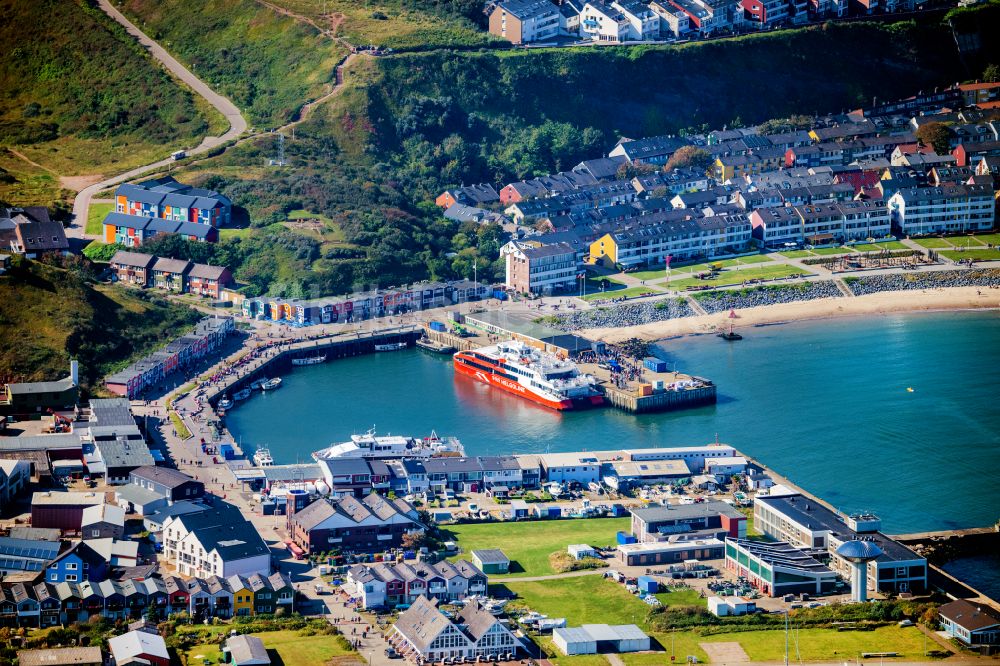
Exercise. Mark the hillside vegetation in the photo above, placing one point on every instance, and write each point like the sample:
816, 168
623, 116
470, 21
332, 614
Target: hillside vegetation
267, 63
411, 25
50, 314
81, 96
498, 115
371, 158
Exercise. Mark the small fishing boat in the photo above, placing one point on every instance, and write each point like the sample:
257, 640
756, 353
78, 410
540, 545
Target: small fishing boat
311, 360
435, 347
225, 403
271, 384
262, 458
242, 395
256, 384
391, 346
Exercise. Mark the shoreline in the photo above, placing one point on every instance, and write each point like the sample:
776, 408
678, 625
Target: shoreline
943, 299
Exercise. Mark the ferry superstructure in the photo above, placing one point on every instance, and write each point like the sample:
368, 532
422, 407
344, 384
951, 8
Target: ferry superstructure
371, 445
535, 375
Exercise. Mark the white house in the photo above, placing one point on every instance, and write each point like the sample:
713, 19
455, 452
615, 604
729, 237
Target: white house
602, 22
14, 478
218, 542
578, 551
723, 468
424, 632
932, 210
723, 606
643, 23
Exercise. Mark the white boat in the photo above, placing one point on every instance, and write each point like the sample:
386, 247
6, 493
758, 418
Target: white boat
391, 346
311, 360
369, 445
262, 458
225, 403
271, 384
242, 395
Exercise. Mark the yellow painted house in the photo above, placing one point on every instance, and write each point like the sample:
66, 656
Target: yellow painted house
604, 250
242, 595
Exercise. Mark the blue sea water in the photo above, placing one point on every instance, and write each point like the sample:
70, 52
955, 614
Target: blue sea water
823, 403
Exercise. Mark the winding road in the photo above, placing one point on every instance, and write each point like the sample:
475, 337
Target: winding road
237, 123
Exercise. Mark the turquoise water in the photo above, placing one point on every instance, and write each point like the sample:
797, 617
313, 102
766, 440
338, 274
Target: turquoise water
824, 403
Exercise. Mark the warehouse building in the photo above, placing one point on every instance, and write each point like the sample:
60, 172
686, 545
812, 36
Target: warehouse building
668, 552
713, 518
600, 638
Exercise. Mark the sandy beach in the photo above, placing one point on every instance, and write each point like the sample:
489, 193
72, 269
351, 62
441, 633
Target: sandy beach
885, 303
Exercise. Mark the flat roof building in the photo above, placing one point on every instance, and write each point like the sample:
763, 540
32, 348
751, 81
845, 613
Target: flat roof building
668, 552
805, 523
74, 656
595, 638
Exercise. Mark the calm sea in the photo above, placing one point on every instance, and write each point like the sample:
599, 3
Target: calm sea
824, 403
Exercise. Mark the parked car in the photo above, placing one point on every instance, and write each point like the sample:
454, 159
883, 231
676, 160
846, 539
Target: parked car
392, 654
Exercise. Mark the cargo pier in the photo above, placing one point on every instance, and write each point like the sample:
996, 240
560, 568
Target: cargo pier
654, 389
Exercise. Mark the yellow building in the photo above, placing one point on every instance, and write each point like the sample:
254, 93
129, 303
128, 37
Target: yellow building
604, 250
242, 595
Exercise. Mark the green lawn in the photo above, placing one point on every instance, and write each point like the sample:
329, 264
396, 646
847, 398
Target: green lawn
680, 597
878, 247
681, 643
733, 276
933, 243
982, 254
529, 544
700, 267
967, 241
227, 233
582, 600
293, 648
991, 239
821, 251
95, 216
797, 254
807, 644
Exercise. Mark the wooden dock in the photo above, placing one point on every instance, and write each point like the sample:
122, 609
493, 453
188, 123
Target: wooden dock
631, 401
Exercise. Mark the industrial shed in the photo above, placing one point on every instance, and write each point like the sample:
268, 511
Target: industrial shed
491, 561
595, 638
574, 640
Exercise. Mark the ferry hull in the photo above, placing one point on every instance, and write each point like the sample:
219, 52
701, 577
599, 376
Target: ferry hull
513, 387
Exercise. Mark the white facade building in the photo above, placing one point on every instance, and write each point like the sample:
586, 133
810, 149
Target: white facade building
951, 209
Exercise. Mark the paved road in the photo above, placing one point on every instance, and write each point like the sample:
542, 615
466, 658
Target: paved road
237, 123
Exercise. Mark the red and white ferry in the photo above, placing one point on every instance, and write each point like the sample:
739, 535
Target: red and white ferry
532, 374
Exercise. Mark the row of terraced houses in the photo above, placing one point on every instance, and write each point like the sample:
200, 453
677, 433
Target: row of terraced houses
165, 206
364, 305
45, 604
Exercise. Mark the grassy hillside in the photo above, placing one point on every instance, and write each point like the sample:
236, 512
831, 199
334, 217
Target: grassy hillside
268, 64
50, 314
80, 96
411, 25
